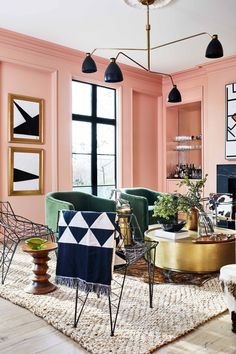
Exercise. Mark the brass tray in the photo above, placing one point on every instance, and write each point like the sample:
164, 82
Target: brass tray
215, 238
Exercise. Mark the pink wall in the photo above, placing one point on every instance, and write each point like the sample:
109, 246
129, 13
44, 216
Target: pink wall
145, 144
41, 69
37, 68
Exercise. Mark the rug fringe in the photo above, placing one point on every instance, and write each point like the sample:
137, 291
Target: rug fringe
99, 289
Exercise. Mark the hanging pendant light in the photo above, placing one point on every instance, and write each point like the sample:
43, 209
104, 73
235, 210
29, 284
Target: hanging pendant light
214, 49
174, 95
113, 72
89, 66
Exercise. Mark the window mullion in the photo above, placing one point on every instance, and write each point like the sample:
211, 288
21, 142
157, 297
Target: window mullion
94, 140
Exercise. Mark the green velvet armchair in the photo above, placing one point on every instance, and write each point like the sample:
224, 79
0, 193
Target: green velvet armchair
141, 201
55, 201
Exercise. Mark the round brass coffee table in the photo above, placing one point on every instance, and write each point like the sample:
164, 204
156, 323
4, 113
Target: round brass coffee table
183, 255
40, 283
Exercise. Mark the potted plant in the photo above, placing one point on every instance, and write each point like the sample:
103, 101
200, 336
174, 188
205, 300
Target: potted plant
166, 210
190, 202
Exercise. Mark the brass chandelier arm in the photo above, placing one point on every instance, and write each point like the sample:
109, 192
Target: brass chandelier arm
181, 39
133, 49
134, 61
143, 67
155, 47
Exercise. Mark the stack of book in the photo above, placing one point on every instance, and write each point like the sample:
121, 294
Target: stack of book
172, 235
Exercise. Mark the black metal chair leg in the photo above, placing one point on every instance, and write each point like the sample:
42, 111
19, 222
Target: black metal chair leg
9, 249
76, 319
151, 272
113, 324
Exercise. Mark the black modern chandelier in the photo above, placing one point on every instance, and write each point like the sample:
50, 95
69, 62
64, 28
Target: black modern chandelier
113, 72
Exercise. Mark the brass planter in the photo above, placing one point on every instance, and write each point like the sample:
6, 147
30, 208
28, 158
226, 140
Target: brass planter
192, 220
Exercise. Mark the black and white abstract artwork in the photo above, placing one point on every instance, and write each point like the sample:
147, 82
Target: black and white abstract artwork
230, 141
25, 119
25, 171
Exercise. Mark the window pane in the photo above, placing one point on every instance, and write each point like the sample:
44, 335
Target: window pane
81, 137
105, 139
81, 98
105, 192
106, 169
105, 102
81, 170
83, 189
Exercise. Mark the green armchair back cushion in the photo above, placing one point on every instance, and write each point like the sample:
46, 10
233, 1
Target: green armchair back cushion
142, 202
55, 201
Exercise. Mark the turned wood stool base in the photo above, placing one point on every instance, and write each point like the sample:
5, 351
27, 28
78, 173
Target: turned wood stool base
40, 282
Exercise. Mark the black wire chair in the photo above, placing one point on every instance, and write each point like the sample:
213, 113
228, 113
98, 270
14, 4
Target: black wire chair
131, 255
13, 229
126, 255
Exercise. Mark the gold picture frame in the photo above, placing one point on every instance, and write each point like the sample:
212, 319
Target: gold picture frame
25, 171
26, 115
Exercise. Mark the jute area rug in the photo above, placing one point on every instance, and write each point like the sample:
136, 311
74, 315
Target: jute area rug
177, 310
139, 269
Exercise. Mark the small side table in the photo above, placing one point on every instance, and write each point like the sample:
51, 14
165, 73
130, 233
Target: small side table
40, 283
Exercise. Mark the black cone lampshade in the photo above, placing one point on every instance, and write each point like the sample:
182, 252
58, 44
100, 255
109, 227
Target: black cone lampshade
113, 72
214, 49
89, 65
174, 95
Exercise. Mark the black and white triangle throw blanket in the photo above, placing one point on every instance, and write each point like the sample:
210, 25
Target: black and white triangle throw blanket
86, 241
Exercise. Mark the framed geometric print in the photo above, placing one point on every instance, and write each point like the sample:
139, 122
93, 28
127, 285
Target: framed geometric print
25, 119
230, 140
25, 171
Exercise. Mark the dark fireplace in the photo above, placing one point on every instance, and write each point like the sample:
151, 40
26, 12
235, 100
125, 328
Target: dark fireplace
226, 183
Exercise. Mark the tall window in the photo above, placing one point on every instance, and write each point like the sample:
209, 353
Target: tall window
93, 138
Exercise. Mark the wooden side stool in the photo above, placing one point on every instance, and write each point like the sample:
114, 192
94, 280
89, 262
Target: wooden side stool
228, 283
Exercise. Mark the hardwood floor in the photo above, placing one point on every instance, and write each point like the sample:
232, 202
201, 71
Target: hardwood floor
21, 332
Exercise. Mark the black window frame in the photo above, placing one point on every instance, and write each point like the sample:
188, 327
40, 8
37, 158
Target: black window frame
95, 120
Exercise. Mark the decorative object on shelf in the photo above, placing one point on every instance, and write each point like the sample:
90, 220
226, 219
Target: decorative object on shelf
113, 72
25, 119
230, 143
36, 243
25, 171
181, 138
188, 147
190, 171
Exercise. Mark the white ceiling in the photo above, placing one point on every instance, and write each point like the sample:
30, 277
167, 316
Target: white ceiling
88, 24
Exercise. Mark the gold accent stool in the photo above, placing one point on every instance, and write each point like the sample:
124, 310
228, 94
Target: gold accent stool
183, 255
